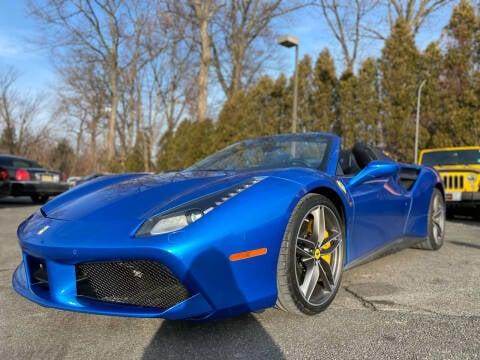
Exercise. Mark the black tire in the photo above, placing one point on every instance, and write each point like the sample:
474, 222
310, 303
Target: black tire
310, 263
39, 199
436, 223
476, 213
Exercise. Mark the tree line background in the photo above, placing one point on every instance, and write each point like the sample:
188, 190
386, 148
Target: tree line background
148, 85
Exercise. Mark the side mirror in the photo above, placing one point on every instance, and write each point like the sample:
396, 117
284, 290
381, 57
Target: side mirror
375, 170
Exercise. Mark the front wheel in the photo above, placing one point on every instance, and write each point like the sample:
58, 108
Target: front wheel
312, 254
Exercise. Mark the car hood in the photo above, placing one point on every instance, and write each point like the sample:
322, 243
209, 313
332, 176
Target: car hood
137, 197
458, 168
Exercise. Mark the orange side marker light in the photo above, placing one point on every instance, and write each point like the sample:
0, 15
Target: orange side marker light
247, 254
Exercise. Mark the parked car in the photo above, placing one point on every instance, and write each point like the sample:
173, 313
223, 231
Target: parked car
89, 177
4, 183
459, 168
78, 180
28, 178
266, 222
72, 180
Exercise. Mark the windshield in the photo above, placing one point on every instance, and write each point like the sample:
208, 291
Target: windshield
452, 157
272, 152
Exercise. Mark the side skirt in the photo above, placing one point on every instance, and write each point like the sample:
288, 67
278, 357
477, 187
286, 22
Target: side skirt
388, 249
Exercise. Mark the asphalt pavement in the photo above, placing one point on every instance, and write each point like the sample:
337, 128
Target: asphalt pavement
414, 304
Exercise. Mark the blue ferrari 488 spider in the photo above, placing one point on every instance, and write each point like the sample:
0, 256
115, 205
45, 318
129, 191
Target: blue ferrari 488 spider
268, 222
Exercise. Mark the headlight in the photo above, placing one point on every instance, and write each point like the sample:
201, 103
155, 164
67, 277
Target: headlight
471, 178
183, 215
169, 224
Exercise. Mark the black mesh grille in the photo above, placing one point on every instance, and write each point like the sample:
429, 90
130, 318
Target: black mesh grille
140, 283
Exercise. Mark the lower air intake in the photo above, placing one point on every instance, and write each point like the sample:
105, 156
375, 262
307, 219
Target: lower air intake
140, 283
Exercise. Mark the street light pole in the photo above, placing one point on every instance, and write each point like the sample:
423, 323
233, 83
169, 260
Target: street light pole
417, 122
295, 93
290, 41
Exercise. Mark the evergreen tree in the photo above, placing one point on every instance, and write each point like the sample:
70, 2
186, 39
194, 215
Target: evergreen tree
460, 100
62, 156
476, 77
172, 154
278, 108
134, 160
200, 143
431, 103
400, 82
163, 160
239, 118
7, 140
305, 115
178, 149
369, 125
347, 109
323, 93
261, 110
191, 142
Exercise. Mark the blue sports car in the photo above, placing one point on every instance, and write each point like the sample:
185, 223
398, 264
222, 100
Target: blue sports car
267, 222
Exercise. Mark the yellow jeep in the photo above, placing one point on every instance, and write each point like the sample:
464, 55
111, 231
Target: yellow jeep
459, 168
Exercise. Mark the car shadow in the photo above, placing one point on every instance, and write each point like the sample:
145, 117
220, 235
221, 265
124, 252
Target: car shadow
465, 244
467, 220
241, 337
11, 202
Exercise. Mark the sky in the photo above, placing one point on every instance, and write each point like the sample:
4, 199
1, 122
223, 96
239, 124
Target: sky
16, 50
36, 73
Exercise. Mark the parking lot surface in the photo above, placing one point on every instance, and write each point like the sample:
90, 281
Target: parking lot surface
414, 304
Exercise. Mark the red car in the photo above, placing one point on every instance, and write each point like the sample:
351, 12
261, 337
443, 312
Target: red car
28, 178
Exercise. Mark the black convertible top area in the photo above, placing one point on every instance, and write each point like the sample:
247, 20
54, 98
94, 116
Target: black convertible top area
351, 161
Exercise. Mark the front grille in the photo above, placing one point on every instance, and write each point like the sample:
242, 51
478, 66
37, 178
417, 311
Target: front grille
140, 283
453, 182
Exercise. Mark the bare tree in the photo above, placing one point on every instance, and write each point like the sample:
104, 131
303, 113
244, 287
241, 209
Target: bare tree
8, 139
201, 16
83, 104
113, 33
414, 12
172, 93
93, 26
352, 21
232, 39
120, 38
18, 113
144, 42
345, 20
240, 39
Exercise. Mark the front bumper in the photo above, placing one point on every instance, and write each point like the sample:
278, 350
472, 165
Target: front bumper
198, 257
65, 298
462, 198
28, 188
4, 188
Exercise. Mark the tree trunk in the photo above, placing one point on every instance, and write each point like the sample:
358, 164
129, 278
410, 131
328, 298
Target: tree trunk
202, 12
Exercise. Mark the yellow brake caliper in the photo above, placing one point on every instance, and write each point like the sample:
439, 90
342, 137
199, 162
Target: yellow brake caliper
318, 253
327, 258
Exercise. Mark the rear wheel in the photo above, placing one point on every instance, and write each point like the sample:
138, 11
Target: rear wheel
310, 264
39, 199
436, 223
